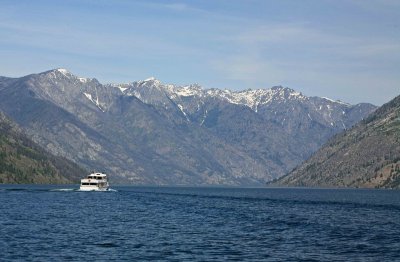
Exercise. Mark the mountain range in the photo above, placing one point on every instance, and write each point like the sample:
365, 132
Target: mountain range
367, 155
147, 132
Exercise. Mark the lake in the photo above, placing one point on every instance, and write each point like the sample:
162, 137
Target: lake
57, 223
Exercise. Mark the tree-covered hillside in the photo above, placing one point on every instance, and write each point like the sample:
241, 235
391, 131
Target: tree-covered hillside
367, 155
23, 161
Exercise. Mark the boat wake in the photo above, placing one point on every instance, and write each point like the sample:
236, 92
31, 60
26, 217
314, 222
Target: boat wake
108, 190
64, 190
5, 190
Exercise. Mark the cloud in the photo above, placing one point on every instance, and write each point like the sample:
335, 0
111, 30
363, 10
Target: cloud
299, 45
87, 42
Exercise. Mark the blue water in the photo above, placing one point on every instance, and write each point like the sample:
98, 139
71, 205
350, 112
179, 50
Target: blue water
42, 223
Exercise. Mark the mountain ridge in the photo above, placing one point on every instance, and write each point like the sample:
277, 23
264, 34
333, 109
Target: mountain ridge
365, 156
146, 132
23, 161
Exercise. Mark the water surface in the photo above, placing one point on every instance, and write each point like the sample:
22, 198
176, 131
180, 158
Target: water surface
52, 223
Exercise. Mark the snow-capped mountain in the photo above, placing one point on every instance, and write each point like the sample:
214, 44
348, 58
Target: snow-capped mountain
146, 90
271, 102
153, 133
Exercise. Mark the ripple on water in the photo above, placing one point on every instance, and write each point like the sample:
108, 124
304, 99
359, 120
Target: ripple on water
199, 224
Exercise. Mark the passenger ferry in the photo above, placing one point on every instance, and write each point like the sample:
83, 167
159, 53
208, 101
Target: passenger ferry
94, 182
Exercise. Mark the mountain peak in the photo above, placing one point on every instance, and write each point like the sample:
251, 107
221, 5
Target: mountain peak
58, 72
150, 81
282, 88
152, 78
62, 71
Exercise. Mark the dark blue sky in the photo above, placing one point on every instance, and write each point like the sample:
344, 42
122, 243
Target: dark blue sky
347, 50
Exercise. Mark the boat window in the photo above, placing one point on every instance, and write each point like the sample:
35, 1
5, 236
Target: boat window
92, 184
85, 184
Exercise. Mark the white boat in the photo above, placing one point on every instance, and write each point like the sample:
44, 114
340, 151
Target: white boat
94, 182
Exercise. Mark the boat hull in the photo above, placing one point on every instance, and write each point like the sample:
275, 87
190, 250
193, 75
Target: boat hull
93, 189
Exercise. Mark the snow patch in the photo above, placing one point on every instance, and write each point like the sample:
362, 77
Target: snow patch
295, 94
187, 91
335, 101
204, 117
96, 102
89, 96
83, 80
63, 71
183, 112
254, 98
327, 98
122, 89
137, 95
152, 78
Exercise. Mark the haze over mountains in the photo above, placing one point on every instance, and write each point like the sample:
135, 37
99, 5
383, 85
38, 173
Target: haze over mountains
146, 132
